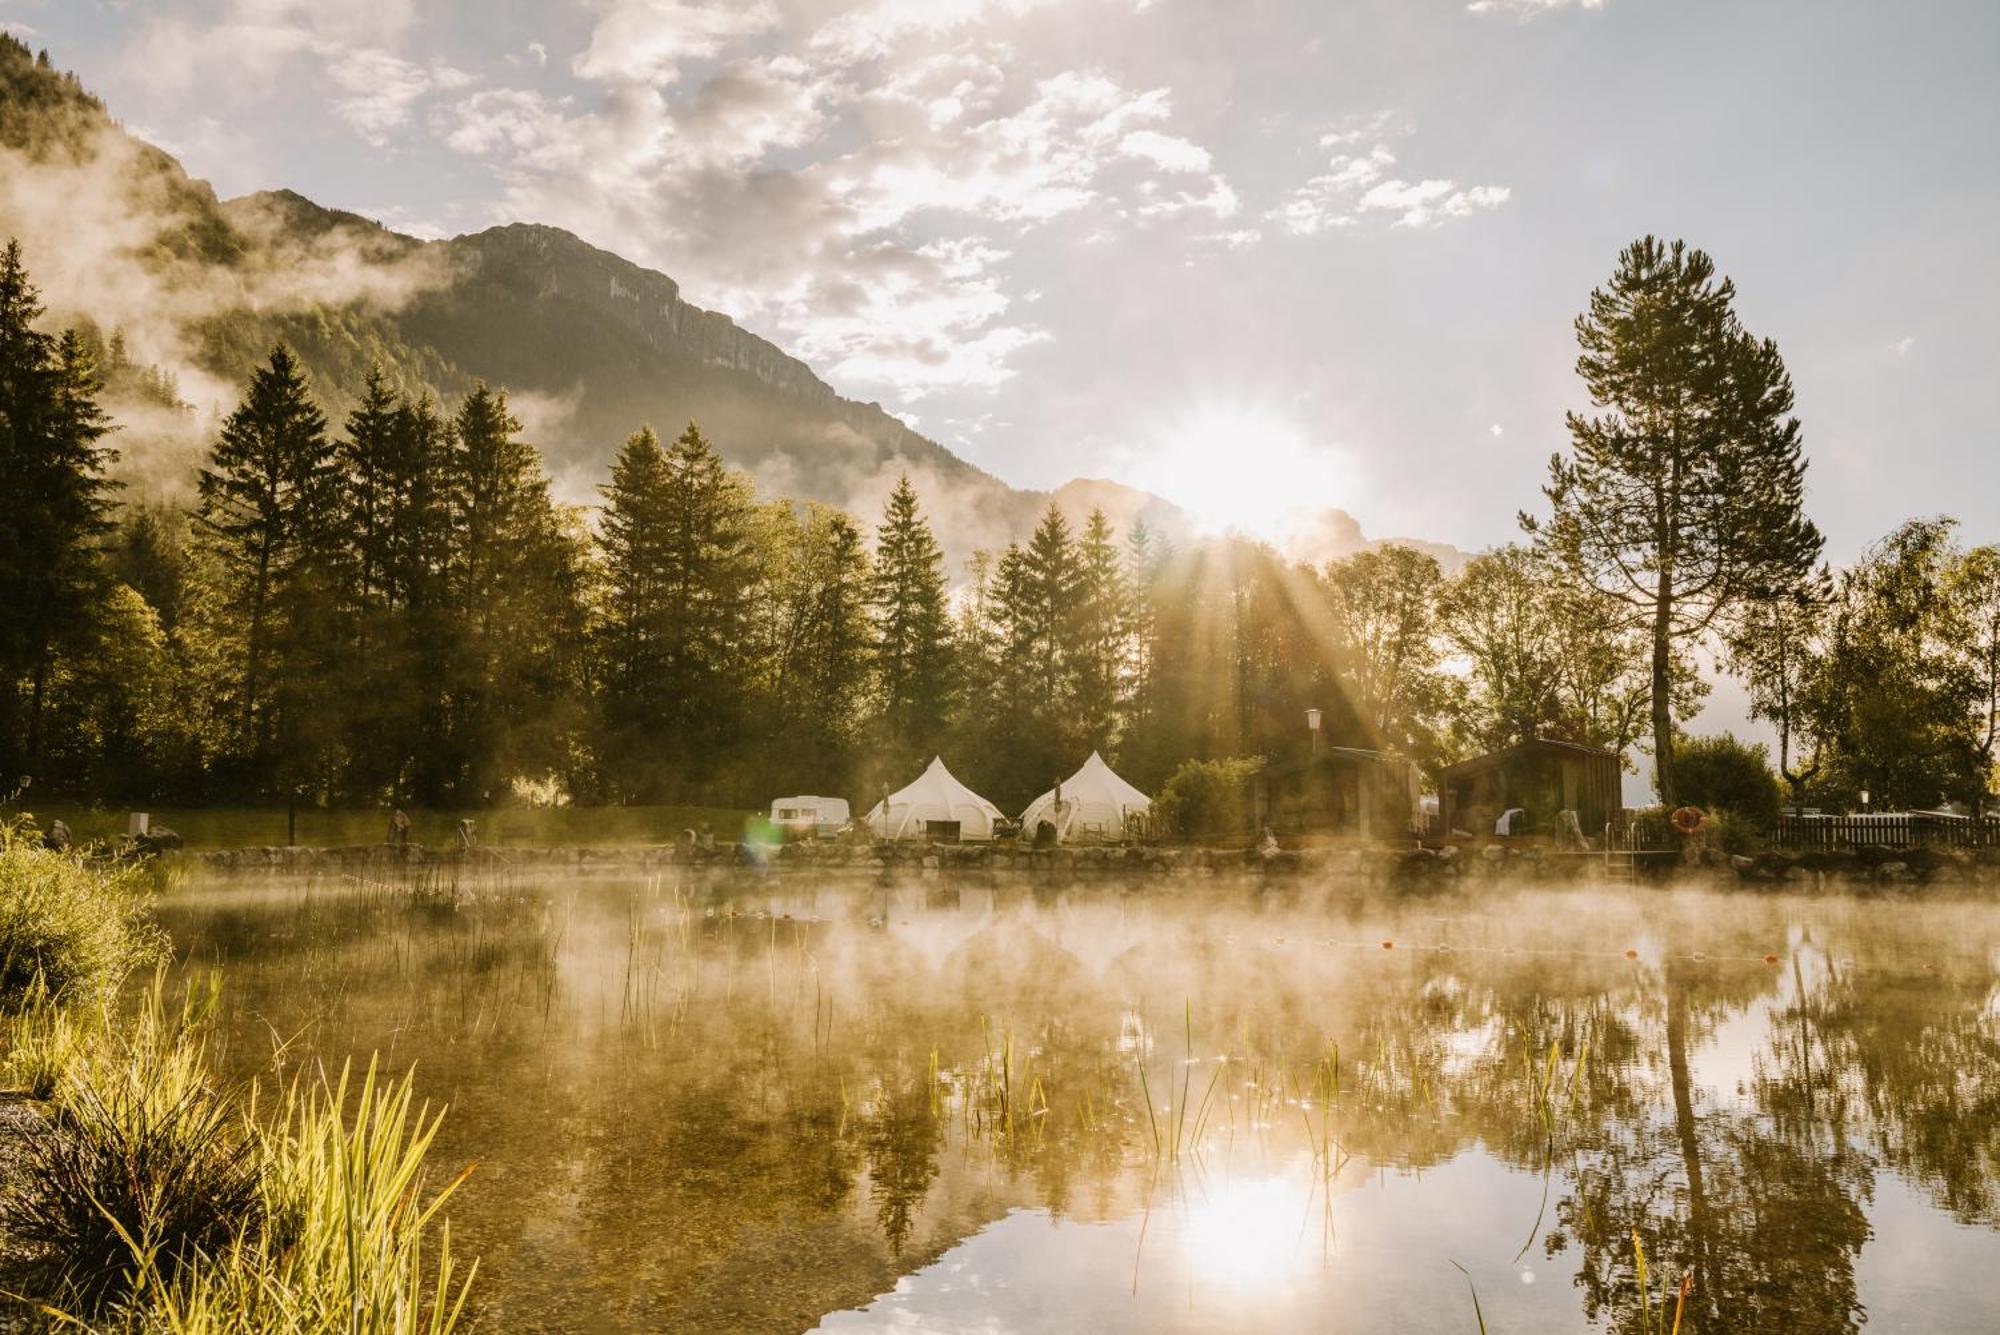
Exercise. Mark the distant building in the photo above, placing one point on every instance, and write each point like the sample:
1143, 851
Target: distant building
1542, 779
1341, 790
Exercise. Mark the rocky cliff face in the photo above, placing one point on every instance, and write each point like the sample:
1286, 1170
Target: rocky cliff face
558, 267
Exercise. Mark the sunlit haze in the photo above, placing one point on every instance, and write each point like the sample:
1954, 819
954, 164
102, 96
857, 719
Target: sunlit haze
1239, 467
1027, 226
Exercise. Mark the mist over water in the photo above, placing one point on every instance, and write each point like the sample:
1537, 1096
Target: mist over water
704, 1107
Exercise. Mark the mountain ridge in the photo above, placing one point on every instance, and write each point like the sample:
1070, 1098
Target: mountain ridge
590, 345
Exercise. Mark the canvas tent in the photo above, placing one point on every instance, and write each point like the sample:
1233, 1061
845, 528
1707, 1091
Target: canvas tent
1093, 803
935, 806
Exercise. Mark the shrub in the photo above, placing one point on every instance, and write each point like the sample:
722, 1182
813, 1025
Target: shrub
68, 930
1722, 774
157, 1203
141, 1168
1206, 799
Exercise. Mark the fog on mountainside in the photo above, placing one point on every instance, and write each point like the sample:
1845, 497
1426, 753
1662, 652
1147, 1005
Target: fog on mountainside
192, 291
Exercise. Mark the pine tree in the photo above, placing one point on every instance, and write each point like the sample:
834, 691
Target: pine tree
1100, 644
53, 507
676, 626
1684, 496
913, 649
1018, 706
631, 645
367, 458
706, 578
391, 457
513, 579
1146, 558
268, 510
820, 649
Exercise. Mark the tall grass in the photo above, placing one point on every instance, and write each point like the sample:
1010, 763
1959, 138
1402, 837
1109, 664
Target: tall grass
155, 1202
152, 1199
140, 1167
68, 931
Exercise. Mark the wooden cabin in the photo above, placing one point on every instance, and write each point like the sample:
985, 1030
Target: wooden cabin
1543, 778
1338, 791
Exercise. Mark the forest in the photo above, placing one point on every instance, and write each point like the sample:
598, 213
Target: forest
395, 608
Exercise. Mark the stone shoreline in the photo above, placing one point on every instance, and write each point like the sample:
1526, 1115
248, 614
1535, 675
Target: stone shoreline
1854, 869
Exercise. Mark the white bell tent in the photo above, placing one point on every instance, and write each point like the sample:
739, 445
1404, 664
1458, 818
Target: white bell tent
935, 799
1093, 803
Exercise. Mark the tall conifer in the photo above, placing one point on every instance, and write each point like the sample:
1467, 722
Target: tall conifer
913, 660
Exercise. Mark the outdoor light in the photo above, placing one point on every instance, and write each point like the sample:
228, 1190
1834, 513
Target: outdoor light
1864, 799
1312, 721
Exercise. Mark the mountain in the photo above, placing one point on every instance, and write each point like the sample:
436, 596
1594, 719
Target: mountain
188, 292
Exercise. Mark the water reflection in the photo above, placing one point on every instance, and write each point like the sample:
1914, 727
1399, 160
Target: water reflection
993, 1110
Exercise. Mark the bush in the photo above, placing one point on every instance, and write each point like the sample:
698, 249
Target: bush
142, 1167
156, 1202
1206, 799
1724, 775
67, 930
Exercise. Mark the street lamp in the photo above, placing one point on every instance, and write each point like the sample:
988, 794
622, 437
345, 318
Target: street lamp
1864, 800
1312, 722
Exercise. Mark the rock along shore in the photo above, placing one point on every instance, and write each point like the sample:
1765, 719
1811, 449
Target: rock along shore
1853, 870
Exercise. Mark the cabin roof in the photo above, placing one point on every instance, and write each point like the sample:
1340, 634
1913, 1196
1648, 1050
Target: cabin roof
1538, 746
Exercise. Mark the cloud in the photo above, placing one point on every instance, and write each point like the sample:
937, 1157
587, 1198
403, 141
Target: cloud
256, 43
853, 189
103, 230
378, 90
1529, 9
1906, 345
1356, 185
1165, 151
649, 40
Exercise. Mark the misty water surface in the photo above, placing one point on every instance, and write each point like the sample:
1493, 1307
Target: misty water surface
1159, 1109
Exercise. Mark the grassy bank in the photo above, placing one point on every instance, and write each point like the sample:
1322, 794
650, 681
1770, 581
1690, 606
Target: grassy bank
144, 1195
253, 827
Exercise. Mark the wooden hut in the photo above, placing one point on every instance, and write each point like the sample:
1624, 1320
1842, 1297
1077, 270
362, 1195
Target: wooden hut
1340, 790
1543, 779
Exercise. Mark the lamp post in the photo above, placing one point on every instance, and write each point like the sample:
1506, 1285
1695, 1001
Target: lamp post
1864, 801
1312, 722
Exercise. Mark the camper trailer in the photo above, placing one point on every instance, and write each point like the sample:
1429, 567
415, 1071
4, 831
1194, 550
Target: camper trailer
809, 817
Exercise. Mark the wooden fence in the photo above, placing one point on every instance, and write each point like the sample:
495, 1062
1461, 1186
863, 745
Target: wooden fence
1900, 829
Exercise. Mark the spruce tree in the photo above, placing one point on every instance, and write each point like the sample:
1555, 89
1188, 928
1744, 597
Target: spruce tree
390, 456
367, 457
913, 649
269, 498
514, 584
630, 638
676, 627
1101, 630
1684, 495
53, 507
1033, 602
820, 650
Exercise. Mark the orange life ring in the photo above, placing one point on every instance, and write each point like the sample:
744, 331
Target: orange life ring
1689, 819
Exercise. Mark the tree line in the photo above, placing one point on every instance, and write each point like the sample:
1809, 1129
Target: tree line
396, 608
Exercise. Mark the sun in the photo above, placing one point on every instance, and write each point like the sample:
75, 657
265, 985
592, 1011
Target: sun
1239, 467
1246, 1234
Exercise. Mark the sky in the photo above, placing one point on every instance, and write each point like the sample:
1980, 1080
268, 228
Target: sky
1253, 255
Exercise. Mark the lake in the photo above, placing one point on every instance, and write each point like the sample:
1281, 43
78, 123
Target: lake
701, 1105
